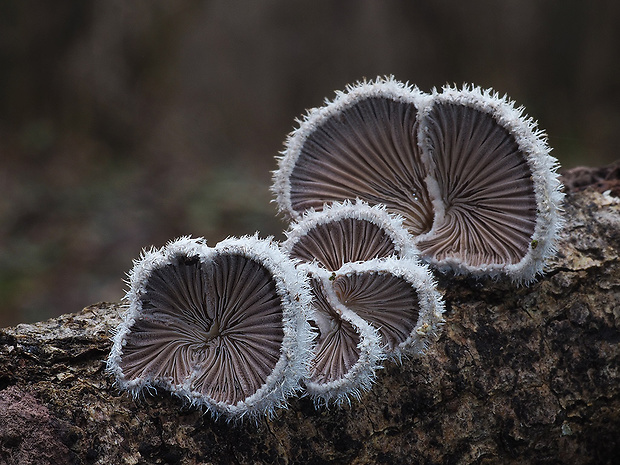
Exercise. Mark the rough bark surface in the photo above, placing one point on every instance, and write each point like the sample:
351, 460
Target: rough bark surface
519, 375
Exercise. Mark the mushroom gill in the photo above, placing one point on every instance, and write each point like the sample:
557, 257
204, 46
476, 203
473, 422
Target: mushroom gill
224, 327
242, 345
363, 263
387, 302
347, 349
362, 145
396, 296
348, 232
366, 312
486, 176
338, 340
166, 339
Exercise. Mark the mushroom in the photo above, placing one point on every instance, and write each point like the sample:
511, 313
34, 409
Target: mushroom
348, 232
224, 328
495, 189
373, 299
347, 352
469, 173
364, 313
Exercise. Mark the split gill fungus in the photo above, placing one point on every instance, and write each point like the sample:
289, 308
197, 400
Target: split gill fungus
224, 328
373, 299
469, 173
381, 184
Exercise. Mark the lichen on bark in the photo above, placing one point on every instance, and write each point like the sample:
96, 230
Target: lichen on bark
519, 375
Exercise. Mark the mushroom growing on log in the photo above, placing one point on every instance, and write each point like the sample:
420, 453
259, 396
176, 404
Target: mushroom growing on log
518, 375
224, 328
469, 173
373, 298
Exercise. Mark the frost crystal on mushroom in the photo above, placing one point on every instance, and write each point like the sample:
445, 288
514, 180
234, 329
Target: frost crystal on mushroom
225, 327
468, 172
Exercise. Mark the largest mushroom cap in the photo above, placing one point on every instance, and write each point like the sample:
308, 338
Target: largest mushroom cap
471, 176
494, 186
223, 327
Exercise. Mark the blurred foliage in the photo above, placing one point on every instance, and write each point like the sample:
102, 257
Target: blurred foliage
126, 124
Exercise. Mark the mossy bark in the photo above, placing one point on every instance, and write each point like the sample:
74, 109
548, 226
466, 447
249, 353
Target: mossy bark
519, 375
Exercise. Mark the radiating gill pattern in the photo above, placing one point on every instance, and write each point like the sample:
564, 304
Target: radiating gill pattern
375, 180
470, 175
386, 301
485, 186
225, 328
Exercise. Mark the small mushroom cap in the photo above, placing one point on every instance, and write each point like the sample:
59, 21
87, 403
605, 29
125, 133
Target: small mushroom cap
225, 328
347, 353
362, 145
348, 232
366, 312
396, 296
494, 186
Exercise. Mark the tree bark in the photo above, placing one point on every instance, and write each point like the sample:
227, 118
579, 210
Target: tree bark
518, 375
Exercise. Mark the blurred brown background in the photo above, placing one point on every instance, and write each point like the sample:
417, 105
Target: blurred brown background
128, 123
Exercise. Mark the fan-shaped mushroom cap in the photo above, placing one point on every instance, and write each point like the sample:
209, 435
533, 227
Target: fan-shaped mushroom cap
366, 312
348, 350
494, 186
373, 298
471, 176
362, 145
225, 327
348, 232
396, 296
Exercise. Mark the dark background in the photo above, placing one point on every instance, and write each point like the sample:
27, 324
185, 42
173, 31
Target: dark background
124, 124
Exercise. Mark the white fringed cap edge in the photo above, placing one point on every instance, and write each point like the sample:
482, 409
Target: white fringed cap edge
378, 215
361, 376
296, 351
386, 87
431, 305
547, 187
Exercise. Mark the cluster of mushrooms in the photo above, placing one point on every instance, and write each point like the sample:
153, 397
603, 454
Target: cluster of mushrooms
382, 185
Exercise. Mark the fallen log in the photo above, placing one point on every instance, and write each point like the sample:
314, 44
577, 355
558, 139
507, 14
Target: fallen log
518, 375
